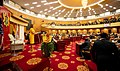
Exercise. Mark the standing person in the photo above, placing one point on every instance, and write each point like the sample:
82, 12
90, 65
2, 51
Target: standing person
31, 38
105, 54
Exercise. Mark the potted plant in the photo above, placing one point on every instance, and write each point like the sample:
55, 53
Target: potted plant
47, 47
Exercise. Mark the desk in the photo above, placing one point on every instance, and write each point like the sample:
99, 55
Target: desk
67, 41
60, 44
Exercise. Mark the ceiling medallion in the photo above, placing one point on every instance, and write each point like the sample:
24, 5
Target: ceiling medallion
77, 4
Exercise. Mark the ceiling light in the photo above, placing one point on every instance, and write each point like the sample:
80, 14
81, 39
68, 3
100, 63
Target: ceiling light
43, 1
106, 10
57, 7
59, 10
41, 11
93, 9
95, 13
81, 14
50, 3
45, 13
51, 7
38, 5
89, 13
110, 6
34, 3
114, 7
71, 12
63, 10
89, 8
26, 4
45, 9
80, 9
31, 7
106, 4
66, 14
77, 13
49, 11
56, 12
27, 11
53, 15
118, 11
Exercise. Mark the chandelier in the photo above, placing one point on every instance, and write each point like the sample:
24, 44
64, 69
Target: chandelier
84, 3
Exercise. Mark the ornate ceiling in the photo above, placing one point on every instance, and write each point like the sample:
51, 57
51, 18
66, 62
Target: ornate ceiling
69, 8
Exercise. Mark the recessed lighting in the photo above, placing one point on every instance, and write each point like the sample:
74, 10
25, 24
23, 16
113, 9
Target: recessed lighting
43, 1
41, 11
93, 9
31, 7
106, 5
59, 10
50, 3
51, 7
45, 9
114, 7
26, 4
57, 7
38, 5
34, 3
110, 6
45, 13
89, 8
53, 15
49, 11
56, 12
106, 10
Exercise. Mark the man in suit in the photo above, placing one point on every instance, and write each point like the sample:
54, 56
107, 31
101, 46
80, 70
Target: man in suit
105, 54
85, 46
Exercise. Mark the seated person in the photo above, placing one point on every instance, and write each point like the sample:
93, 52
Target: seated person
85, 46
118, 41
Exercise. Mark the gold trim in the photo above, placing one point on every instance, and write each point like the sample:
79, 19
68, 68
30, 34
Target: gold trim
80, 7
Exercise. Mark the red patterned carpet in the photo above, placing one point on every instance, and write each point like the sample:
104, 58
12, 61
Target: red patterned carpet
66, 60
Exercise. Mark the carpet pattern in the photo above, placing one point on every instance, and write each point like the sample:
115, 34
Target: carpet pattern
66, 60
